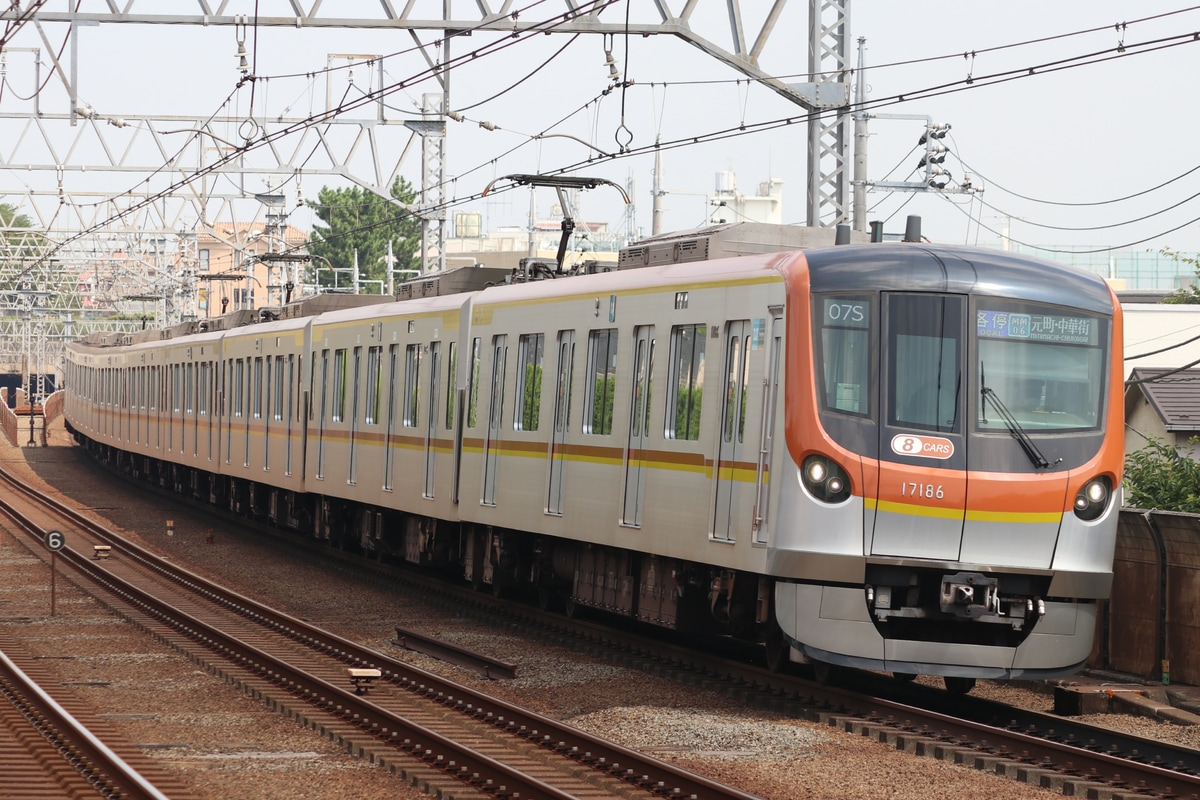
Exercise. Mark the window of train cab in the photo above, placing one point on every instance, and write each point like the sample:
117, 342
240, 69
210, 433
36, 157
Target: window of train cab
844, 329
1047, 366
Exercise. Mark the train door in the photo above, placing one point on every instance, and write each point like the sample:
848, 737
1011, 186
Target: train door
194, 405
491, 447
921, 501
321, 420
389, 453
253, 403
352, 477
770, 409
732, 432
206, 402
562, 421
291, 415
431, 417
639, 424
269, 407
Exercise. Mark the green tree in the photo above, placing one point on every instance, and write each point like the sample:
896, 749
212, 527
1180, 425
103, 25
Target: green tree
1189, 295
9, 218
1157, 476
356, 219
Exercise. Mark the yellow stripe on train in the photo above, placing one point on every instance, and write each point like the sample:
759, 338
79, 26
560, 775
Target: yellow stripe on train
935, 512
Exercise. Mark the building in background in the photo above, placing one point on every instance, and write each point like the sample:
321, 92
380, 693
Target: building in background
235, 270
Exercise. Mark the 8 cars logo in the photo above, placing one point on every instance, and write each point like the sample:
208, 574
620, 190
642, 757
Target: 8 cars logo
906, 444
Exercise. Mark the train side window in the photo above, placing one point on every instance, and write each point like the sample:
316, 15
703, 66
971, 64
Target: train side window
685, 384
844, 350
451, 385
257, 388
205, 388
529, 370
189, 388
277, 410
412, 385
374, 382
643, 371
737, 365
357, 377
473, 388
566, 370
339, 385
239, 389
602, 375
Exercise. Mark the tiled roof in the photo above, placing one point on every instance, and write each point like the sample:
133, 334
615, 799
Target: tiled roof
1175, 396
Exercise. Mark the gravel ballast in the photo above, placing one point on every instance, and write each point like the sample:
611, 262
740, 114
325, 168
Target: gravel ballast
223, 744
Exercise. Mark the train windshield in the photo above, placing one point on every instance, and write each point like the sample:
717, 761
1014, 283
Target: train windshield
924, 350
1045, 366
845, 335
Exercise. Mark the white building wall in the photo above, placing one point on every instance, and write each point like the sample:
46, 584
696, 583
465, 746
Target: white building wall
1152, 327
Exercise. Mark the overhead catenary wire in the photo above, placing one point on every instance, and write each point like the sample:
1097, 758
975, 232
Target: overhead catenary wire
993, 184
1107, 249
266, 139
1166, 349
1081, 60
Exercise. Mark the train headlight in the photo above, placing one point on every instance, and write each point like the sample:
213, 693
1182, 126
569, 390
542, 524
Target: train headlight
1092, 499
825, 480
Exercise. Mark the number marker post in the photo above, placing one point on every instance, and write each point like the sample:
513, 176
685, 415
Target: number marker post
55, 541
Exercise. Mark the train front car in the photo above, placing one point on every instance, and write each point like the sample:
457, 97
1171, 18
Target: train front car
955, 423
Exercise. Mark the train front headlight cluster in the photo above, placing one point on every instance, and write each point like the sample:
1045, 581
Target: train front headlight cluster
1093, 498
825, 479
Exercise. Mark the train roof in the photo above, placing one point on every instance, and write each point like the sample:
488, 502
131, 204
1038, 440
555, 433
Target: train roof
911, 266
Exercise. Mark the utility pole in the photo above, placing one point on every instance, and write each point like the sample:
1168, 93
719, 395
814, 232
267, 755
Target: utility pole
657, 192
860, 142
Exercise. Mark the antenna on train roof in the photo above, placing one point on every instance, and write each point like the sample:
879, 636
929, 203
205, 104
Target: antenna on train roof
559, 182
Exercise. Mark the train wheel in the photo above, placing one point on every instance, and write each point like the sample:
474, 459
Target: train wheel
569, 607
825, 674
904, 677
778, 651
958, 685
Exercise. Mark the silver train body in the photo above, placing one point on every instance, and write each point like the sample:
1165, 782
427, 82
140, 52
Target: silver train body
738, 446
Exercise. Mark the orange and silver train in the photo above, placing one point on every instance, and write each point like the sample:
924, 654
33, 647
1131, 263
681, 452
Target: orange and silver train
899, 457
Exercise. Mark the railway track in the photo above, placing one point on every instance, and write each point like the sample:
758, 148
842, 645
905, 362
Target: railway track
1043, 750
439, 734
56, 747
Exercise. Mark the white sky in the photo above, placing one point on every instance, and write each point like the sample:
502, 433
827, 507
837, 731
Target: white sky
1081, 135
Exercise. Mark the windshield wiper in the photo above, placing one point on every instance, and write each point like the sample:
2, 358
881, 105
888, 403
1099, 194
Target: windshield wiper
1014, 427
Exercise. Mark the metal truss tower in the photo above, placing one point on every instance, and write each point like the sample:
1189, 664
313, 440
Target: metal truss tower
106, 246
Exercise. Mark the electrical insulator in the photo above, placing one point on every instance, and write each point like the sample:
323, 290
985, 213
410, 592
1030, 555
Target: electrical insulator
934, 130
934, 154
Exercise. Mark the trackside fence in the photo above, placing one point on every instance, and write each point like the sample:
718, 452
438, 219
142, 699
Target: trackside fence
1150, 626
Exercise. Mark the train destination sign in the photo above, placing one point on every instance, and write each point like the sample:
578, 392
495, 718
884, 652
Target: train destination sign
1037, 327
847, 313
